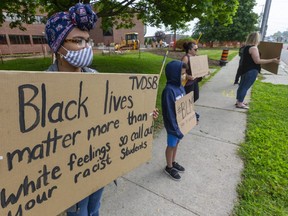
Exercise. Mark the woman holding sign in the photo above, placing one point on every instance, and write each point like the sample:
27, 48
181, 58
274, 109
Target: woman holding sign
68, 37
191, 84
250, 67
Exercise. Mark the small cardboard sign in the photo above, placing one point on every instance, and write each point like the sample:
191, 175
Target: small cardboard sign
269, 50
185, 113
199, 65
65, 135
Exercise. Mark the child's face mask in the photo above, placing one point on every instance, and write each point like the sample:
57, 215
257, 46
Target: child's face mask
183, 77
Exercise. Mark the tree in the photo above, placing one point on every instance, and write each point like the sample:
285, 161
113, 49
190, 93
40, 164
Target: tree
280, 36
20, 11
160, 35
242, 24
173, 14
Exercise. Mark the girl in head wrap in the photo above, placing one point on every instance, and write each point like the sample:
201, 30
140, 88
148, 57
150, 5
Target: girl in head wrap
68, 37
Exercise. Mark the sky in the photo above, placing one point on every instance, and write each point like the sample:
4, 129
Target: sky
278, 15
277, 20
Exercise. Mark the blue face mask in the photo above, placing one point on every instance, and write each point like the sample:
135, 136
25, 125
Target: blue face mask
80, 58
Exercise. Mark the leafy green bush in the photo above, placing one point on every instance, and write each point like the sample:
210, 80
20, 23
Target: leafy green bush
180, 42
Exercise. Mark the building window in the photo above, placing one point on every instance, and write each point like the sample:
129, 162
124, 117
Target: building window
108, 32
3, 39
19, 39
39, 39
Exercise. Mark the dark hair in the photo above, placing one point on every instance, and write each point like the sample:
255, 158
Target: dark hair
184, 65
188, 46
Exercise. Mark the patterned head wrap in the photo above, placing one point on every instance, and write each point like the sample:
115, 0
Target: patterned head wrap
61, 24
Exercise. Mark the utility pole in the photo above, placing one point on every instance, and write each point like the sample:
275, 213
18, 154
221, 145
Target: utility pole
265, 19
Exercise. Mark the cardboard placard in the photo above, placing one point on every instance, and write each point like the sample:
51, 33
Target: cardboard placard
185, 113
199, 65
269, 50
65, 135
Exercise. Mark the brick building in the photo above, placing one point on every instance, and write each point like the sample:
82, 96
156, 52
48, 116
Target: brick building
15, 41
116, 35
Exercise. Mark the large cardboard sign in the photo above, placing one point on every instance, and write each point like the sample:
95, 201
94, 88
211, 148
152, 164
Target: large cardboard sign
270, 50
185, 113
199, 65
65, 135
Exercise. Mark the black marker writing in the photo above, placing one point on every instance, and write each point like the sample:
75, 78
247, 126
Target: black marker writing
114, 103
136, 118
144, 82
42, 150
29, 187
128, 151
58, 112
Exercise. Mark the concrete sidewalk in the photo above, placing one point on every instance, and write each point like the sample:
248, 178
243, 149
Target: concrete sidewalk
209, 154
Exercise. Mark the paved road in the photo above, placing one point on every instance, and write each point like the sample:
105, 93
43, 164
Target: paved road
284, 55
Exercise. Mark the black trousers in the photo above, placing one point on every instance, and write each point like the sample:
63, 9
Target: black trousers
195, 88
238, 74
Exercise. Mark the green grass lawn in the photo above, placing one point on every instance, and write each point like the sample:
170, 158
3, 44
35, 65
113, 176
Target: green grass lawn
26, 64
216, 53
264, 189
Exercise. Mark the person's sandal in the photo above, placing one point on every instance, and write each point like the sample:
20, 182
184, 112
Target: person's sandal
242, 106
245, 103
